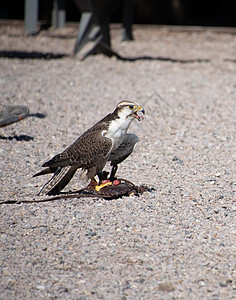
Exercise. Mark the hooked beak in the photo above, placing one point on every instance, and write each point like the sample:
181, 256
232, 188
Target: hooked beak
136, 111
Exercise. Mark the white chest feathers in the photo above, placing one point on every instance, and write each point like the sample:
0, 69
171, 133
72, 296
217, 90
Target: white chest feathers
117, 131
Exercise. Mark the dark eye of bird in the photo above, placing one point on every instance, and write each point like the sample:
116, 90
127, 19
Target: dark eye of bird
131, 106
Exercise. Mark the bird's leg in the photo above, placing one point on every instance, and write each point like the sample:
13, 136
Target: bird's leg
113, 171
92, 185
102, 178
103, 181
112, 177
102, 175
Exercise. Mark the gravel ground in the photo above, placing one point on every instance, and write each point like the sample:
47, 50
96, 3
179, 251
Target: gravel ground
176, 242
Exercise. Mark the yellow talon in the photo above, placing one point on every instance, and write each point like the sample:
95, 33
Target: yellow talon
99, 187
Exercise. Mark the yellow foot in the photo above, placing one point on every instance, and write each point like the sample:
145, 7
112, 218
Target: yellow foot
102, 185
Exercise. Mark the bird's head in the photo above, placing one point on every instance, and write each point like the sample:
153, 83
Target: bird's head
129, 110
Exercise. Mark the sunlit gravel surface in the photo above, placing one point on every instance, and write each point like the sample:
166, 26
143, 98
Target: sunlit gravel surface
174, 242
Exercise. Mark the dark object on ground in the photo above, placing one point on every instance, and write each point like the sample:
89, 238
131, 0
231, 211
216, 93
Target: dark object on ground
12, 114
125, 188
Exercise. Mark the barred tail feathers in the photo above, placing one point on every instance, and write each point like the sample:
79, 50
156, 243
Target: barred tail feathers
60, 179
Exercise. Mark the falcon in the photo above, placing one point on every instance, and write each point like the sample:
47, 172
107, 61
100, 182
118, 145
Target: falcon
106, 141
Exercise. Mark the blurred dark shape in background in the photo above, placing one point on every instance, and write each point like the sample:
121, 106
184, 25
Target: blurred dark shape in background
171, 12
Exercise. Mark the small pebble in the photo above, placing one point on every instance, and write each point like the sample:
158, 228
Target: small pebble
40, 287
166, 287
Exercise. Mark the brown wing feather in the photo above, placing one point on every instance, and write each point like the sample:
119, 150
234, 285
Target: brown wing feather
86, 151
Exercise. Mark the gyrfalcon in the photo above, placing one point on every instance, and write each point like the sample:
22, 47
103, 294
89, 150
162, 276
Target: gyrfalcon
105, 141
